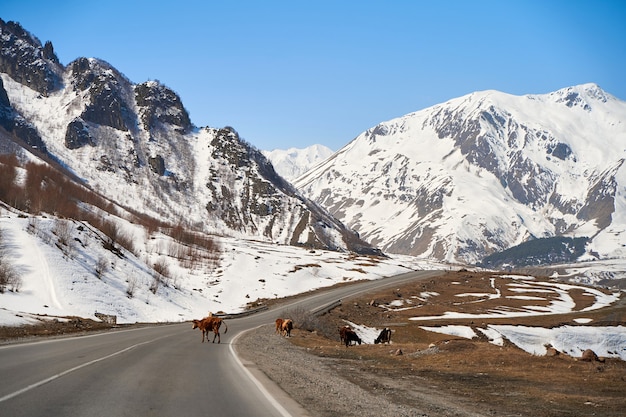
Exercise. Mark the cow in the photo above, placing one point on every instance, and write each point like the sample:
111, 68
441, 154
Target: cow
590, 356
279, 326
198, 324
384, 336
342, 333
287, 326
209, 324
347, 336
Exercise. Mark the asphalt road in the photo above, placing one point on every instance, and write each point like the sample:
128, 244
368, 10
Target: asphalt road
161, 370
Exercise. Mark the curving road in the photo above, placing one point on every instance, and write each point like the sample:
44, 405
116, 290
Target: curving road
153, 371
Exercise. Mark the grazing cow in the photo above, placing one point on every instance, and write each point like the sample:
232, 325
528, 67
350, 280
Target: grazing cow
347, 336
209, 324
279, 325
286, 327
590, 356
342, 333
384, 336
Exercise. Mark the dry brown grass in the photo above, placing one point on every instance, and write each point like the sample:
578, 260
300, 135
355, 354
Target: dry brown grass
52, 327
496, 380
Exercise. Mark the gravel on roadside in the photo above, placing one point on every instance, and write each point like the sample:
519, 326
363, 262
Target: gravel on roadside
316, 382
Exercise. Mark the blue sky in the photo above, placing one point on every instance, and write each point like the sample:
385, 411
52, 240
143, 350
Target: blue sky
294, 73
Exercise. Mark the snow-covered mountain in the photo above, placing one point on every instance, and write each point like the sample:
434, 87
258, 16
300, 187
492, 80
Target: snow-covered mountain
293, 162
483, 173
136, 145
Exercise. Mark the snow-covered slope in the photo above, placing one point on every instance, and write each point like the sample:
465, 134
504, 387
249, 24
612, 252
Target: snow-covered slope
484, 172
82, 276
293, 162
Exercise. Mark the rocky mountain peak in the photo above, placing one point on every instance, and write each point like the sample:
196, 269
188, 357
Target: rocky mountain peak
582, 96
159, 105
25, 60
109, 92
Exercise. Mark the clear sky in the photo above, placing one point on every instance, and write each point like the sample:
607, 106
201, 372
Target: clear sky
295, 73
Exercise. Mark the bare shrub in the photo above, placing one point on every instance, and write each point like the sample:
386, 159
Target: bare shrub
190, 238
102, 266
111, 230
156, 283
9, 279
132, 286
33, 225
175, 250
191, 258
8, 275
63, 230
116, 237
125, 240
161, 268
304, 320
151, 225
160, 274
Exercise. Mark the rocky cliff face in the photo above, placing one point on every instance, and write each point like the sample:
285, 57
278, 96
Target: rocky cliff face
135, 144
25, 60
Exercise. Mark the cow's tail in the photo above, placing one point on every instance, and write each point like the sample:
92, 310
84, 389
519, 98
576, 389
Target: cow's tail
225, 327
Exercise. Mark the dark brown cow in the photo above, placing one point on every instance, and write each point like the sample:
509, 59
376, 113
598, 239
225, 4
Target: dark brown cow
384, 336
347, 336
209, 324
287, 326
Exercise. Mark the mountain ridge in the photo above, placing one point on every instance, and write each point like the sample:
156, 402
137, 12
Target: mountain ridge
543, 165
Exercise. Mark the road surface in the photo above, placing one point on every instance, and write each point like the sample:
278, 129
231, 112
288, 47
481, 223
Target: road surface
161, 370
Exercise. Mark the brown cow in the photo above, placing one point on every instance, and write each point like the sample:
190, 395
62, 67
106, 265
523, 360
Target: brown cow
197, 324
208, 324
279, 325
590, 356
351, 336
287, 326
342, 333
347, 336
